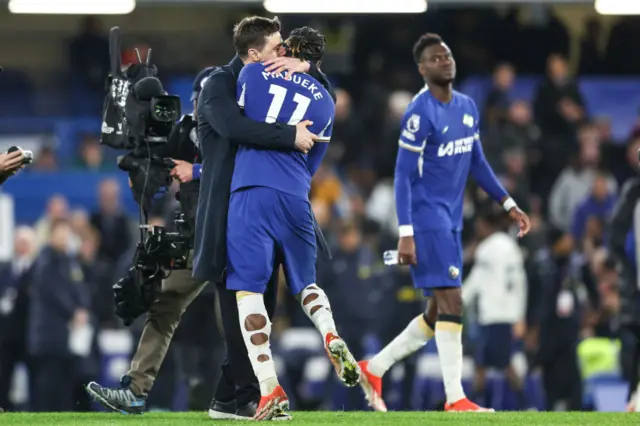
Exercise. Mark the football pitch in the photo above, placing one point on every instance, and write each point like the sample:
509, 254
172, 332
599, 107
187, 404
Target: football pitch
332, 418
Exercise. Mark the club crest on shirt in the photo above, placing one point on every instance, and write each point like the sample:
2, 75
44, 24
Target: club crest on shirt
467, 120
454, 272
413, 123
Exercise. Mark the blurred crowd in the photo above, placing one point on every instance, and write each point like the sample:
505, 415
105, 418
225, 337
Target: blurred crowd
559, 164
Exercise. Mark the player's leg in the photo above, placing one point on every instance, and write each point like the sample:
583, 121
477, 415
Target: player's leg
297, 242
250, 256
445, 266
419, 331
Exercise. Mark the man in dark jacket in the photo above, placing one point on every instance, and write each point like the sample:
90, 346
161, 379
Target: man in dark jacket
221, 129
59, 308
624, 236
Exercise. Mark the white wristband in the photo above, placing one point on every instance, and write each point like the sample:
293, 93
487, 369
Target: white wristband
508, 204
405, 231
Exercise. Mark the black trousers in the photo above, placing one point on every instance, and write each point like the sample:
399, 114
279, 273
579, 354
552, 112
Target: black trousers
53, 384
12, 352
561, 378
238, 381
630, 355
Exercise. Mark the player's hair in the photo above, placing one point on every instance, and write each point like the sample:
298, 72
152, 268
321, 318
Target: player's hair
251, 33
425, 41
305, 43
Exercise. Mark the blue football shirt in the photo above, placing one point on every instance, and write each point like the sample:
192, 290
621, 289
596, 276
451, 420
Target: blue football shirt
269, 97
439, 147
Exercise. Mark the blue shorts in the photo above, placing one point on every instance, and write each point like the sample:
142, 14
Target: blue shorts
495, 346
439, 256
261, 221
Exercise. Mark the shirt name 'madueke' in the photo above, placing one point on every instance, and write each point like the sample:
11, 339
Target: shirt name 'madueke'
271, 98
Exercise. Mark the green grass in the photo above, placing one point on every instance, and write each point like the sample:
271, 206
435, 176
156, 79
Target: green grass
333, 418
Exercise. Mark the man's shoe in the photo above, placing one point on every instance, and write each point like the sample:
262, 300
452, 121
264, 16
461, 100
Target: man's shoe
372, 387
273, 406
465, 405
247, 410
343, 361
225, 411
122, 400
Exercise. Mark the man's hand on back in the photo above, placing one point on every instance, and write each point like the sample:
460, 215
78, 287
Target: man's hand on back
304, 138
10, 162
290, 65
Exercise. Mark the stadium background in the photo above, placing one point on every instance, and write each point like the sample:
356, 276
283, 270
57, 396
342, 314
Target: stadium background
52, 90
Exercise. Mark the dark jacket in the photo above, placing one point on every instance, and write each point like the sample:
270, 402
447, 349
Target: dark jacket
622, 223
221, 129
58, 290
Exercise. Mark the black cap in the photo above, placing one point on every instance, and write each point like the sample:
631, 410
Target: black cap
199, 82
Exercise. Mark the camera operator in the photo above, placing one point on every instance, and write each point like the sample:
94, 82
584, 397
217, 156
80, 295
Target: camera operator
178, 290
624, 234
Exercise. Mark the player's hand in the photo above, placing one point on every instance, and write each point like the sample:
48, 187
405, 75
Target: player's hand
407, 251
10, 162
522, 220
290, 65
183, 171
304, 138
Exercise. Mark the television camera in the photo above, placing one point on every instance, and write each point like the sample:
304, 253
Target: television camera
138, 116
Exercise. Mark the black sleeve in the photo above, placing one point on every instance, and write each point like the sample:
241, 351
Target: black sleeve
622, 218
591, 286
221, 111
315, 72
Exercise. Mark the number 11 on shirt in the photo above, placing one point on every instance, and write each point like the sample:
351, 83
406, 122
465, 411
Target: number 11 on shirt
279, 94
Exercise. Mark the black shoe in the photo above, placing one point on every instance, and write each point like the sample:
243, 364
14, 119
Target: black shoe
225, 411
117, 399
247, 410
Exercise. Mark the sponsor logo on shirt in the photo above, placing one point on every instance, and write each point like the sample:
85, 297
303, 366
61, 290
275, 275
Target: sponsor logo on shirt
458, 146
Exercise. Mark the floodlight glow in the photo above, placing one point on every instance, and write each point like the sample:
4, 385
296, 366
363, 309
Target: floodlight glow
345, 6
72, 7
617, 7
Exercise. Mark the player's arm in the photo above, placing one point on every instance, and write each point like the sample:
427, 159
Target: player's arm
220, 109
319, 148
484, 176
412, 142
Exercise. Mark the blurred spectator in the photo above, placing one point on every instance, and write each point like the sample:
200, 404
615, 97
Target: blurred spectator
90, 156
598, 204
326, 187
557, 283
498, 100
575, 182
111, 221
558, 105
354, 273
45, 161
57, 209
381, 207
58, 324
89, 55
386, 153
14, 304
99, 278
347, 142
498, 284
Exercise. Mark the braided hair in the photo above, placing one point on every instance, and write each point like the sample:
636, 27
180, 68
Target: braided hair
306, 44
